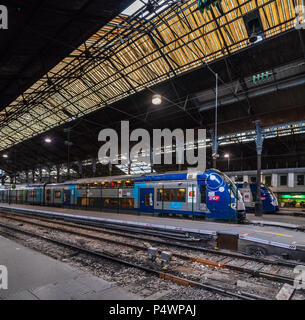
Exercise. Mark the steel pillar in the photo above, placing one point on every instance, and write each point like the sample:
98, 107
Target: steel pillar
93, 167
259, 148
215, 154
40, 174
80, 168
57, 173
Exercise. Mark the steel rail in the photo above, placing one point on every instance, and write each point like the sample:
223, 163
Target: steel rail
160, 274
256, 273
139, 230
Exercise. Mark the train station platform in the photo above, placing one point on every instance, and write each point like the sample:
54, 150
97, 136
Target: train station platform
291, 222
272, 239
34, 276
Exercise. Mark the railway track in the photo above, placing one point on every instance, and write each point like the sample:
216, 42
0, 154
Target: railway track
137, 233
255, 271
162, 275
208, 262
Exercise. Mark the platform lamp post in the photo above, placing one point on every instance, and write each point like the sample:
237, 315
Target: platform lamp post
259, 148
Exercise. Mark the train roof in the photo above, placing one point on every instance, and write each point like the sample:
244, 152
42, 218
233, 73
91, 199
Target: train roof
109, 178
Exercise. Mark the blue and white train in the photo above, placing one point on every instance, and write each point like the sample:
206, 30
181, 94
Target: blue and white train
249, 192
209, 194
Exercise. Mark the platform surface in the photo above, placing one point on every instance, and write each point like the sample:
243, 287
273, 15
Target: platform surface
34, 276
270, 235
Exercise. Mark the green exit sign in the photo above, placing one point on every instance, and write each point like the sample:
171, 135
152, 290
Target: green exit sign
261, 77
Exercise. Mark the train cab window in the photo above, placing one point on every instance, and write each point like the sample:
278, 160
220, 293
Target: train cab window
181, 195
203, 194
283, 180
300, 179
253, 179
268, 181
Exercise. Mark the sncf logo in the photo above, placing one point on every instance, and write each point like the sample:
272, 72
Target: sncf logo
3, 17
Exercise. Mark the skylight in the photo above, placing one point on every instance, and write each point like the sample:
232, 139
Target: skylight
136, 168
134, 7
150, 12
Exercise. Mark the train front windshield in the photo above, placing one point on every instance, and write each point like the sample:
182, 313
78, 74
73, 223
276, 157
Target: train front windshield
232, 185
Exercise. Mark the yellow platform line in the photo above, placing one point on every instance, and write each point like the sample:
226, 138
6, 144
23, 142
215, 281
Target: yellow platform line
277, 234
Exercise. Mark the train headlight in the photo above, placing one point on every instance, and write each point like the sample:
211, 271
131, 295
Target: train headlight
233, 205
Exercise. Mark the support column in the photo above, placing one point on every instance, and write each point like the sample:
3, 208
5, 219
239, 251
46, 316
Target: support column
26, 176
259, 148
215, 154
33, 176
151, 160
40, 174
93, 167
49, 174
80, 168
57, 173
110, 168
129, 167
68, 170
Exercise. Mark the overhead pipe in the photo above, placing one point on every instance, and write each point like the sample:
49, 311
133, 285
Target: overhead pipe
253, 94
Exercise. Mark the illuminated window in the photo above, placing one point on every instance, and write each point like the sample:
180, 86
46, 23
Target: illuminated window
57, 194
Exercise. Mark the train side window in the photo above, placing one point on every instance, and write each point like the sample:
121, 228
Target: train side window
253, 179
105, 184
128, 183
160, 195
239, 179
268, 181
300, 179
33, 193
203, 194
57, 194
181, 195
169, 195
283, 180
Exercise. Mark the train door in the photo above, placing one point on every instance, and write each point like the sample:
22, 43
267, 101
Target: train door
147, 200
203, 198
67, 197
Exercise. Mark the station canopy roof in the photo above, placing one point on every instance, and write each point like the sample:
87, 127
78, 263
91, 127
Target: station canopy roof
144, 45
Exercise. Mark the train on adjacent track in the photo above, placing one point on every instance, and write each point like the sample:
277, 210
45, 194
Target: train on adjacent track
209, 194
249, 194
